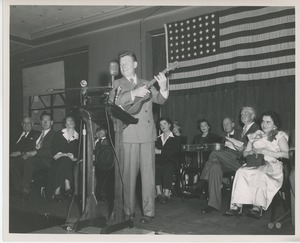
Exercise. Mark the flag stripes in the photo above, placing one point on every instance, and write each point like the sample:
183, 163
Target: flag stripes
258, 43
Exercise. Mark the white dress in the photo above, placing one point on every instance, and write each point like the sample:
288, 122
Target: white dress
258, 185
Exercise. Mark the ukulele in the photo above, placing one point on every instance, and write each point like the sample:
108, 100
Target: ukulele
138, 102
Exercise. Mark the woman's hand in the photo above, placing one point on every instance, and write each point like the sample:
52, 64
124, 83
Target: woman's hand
58, 155
71, 156
157, 151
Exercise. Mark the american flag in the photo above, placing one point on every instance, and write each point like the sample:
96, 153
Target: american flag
238, 44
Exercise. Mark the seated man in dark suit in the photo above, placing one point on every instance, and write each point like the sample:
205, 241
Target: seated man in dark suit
25, 143
223, 161
38, 159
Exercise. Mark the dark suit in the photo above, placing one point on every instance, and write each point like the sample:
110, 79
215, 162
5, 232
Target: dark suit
25, 144
220, 162
41, 161
138, 148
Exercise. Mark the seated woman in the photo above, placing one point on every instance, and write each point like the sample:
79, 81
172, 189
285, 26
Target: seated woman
65, 147
258, 185
204, 128
166, 148
180, 161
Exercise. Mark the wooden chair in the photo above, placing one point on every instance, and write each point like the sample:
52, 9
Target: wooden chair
283, 196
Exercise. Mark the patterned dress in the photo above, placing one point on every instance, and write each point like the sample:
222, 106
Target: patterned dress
258, 185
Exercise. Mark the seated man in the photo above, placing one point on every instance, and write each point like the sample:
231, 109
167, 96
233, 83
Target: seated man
38, 159
223, 161
25, 143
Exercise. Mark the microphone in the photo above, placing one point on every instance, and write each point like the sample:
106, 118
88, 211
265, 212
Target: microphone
113, 68
84, 87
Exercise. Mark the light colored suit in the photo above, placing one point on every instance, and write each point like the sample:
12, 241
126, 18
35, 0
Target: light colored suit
138, 146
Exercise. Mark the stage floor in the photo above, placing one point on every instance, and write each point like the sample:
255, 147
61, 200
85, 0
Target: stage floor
180, 216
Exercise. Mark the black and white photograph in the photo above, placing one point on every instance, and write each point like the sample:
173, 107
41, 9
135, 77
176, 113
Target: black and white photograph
158, 121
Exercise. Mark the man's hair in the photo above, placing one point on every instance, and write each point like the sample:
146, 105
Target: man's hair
127, 53
45, 113
251, 110
27, 117
230, 118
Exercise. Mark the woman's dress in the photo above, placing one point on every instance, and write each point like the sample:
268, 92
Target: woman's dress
258, 185
62, 168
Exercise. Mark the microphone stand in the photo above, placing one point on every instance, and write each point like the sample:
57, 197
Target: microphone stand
83, 101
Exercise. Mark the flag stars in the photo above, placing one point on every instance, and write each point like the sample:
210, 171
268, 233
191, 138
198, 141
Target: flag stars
200, 25
206, 23
189, 48
195, 47
207, 44
182, 42
200, 45
207, 37
181, 23
189, 54
194, 20
213, 15
176, 44
182, 56
213, 29
177, 50
195, 53
214, 50
171, 38
182, 37
195, 40
170, 32
207, 30
188, 35
207, 51
177, 57
182, 49
182, 29
206, 17
214, 43
200, 32
188, 28
175, 24
213, 22
201, 52
176, 37
201, 38
199, 18
194, 26
188, 41
194, 34
187, 21
213, 36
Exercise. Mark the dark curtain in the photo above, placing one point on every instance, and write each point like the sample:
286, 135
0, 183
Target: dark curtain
76, 69
216, 102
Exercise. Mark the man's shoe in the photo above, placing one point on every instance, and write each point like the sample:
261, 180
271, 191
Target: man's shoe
159, 198
256, 214
208, 209
233, 212
146, 219
131, 216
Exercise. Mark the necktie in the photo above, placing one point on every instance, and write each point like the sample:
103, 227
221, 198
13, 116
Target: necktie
132, 81
244, 131
40, 142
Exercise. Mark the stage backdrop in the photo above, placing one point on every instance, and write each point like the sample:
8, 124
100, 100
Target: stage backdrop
230, 59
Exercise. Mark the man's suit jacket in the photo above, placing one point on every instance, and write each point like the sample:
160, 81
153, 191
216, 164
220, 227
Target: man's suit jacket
244, 139
44, 154
145, 130
237, 134
28, 143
